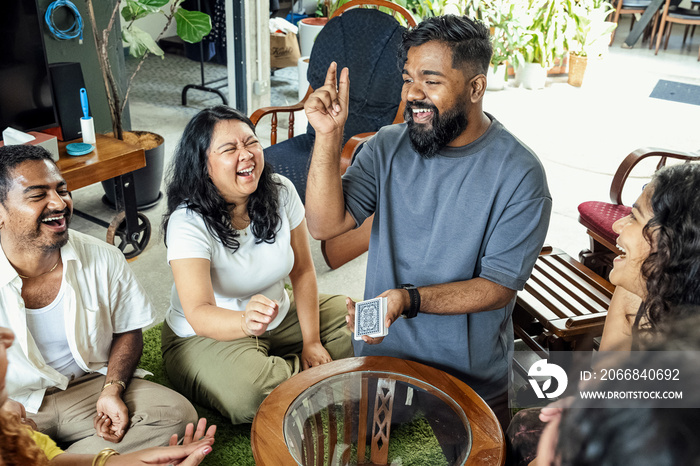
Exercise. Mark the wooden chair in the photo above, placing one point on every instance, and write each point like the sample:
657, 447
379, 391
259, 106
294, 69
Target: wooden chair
562, 306
628, 7
367, 41
672, 13
598, 217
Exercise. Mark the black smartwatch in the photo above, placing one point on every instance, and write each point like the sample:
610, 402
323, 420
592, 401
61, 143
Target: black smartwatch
412, 311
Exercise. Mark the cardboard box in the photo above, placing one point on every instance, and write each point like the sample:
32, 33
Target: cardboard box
284, 50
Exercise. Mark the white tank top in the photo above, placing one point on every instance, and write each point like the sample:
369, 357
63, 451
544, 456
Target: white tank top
47, 326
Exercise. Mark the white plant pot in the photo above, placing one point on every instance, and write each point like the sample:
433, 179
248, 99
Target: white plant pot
532, 75
308, 30
303, 67
496, 80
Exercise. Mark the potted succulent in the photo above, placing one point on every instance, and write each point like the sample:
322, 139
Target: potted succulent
192, 26
543, 40
589, 34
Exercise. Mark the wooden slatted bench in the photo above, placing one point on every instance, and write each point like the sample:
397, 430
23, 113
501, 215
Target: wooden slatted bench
563, 306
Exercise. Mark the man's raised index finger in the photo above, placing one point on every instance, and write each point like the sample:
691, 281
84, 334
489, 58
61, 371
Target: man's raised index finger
330, 75
344, 85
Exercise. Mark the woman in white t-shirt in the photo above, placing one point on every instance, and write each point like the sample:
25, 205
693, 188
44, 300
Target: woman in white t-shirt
234, 232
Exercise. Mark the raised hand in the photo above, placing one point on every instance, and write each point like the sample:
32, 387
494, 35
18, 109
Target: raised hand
327, 107
258, 314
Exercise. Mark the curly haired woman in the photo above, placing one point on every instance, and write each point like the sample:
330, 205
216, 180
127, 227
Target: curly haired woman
657, 279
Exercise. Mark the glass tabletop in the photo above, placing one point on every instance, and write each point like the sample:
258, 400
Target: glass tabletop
379, 418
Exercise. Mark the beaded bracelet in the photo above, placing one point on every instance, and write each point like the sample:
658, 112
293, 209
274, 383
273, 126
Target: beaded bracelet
249, 335
243, 326
102, 457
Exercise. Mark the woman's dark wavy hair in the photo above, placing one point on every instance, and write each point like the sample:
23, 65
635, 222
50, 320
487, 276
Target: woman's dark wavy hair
469, 40
672, 270
189, 183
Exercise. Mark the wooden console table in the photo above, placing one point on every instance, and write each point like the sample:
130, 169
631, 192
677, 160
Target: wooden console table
129, 230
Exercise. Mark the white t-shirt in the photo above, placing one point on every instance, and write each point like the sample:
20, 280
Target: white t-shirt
236, 276
47, 326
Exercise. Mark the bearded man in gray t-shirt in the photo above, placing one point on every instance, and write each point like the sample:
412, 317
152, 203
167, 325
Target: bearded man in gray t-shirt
461, 208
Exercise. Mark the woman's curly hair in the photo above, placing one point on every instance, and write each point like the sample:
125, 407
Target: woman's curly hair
189, 183
17, 447
672, 269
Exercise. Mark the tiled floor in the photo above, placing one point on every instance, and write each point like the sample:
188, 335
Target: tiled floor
580, 134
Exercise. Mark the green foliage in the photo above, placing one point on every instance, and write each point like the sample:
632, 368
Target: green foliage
140, 42
192, 26
588, 30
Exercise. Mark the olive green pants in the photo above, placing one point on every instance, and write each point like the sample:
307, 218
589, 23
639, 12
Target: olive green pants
234, 377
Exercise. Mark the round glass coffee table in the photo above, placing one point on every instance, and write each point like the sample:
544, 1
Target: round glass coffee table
375, 410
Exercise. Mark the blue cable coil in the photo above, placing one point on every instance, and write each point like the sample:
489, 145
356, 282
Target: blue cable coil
75, 30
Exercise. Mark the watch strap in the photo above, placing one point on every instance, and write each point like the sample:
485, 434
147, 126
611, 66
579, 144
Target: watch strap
414, 296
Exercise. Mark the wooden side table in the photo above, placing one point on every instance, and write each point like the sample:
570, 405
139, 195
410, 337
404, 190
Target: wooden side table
129, 230
320, 415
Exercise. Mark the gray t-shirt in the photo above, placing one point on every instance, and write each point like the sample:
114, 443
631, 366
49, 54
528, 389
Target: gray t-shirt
481, 210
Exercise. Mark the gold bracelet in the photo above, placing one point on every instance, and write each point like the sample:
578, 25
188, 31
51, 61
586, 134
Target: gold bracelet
121, 383
102, 457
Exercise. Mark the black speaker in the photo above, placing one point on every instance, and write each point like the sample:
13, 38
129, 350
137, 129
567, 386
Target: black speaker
66, 80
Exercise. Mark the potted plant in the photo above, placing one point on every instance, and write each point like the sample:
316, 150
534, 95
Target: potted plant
192, 26
506, 37
589, 34
543, 40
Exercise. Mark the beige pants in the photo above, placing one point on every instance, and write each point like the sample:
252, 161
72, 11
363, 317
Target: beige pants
234, 377
156, 413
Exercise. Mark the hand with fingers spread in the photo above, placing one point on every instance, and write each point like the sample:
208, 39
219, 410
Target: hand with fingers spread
258, 314
327, 107
192, 435
190, 454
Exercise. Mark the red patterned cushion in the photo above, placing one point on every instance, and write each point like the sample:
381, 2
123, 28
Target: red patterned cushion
600, 216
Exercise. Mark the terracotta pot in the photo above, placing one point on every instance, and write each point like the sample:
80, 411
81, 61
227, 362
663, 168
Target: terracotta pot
577, 69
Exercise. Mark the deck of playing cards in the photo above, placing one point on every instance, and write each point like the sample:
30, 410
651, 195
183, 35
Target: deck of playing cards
369, 318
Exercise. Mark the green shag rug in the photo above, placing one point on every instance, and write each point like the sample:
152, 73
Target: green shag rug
232, 446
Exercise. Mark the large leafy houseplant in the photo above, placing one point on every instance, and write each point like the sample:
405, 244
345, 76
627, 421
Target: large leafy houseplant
589, 32
544, 39
192, 26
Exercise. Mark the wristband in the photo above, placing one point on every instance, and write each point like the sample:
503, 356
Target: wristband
114, 382
413, 294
